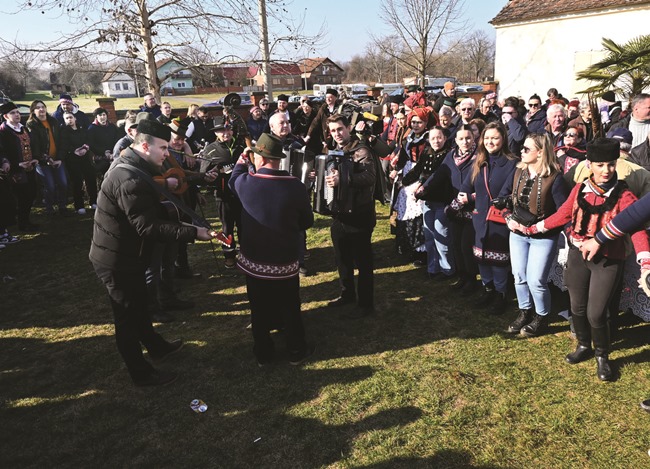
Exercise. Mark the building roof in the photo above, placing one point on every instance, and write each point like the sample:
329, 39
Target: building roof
282, 69
310, 64
113, 71
522, 10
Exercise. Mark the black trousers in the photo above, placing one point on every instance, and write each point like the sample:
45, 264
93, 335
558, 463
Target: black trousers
127, 292
230, 216
353, 247
24, 194
7, 205
462, 242
81, 169
273, 302
591, 285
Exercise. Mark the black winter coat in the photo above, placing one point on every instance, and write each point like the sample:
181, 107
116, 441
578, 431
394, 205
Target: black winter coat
130, 219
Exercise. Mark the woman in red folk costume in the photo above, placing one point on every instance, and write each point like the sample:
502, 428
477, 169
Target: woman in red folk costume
590, 206
410, 234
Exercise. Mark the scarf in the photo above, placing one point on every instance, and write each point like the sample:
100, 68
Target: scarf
460, 158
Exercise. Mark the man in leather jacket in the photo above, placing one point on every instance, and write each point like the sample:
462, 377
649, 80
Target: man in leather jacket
352, 231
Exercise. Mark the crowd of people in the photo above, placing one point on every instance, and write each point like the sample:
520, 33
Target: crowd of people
485, 197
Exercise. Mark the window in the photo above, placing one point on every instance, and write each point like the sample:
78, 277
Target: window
290, 81
181, 84
326, 69
276, 81
125, 86
117, 87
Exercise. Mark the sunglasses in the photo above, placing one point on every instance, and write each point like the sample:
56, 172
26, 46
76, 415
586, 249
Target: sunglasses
264, 104
466, 109
571, 135
534, 104
525, 150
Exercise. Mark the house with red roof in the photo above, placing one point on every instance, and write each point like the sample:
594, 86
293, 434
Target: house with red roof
542, 44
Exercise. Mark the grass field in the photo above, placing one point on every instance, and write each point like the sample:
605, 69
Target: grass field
425, 383
89, 103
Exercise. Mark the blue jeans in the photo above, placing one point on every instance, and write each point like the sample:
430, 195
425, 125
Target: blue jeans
531, 260
496, 275
437, 239
56, 185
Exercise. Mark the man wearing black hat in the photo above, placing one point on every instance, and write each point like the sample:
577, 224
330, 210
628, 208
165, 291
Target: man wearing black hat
318, 133
223, 153
102, 137
16, 147
275, 209
199, 132
128, 222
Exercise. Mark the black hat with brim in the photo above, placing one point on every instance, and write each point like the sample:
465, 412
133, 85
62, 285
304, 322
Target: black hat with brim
283, 97
178, 129
331, 91
603, 150
269, 146
155, 129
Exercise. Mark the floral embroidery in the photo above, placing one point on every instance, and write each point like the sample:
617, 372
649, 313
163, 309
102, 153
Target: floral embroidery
267, 271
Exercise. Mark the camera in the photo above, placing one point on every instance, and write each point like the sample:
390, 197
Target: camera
502, 202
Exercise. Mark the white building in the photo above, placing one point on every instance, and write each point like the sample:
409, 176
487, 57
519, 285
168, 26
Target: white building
117, 84
542, 44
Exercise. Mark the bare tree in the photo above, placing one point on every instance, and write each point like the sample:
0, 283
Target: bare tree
478, 51
418, 29
150, 30
20, 63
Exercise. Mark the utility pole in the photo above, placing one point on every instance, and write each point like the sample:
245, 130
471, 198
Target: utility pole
264, 45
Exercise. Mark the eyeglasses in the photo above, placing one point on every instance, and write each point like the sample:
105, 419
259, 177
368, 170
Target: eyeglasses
525, 150
264, 104
534, 104
571, 135
466, 109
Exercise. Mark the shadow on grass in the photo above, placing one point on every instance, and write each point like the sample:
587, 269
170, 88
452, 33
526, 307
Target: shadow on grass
448, 459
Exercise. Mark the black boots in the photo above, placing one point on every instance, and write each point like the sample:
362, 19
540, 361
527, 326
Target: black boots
499, 304
600, 337
536, 327
525, 316
583, 334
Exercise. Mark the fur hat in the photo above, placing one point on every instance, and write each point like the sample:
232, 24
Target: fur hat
332, 91
269, 146
602, 150
155, 129
283, 97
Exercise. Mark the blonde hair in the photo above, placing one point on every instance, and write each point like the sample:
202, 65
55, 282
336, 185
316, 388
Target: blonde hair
191, 109
548, 163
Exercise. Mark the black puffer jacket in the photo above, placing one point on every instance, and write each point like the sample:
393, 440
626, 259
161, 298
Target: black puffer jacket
129, 219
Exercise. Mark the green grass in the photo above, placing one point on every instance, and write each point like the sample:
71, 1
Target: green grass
89, 103
426, 382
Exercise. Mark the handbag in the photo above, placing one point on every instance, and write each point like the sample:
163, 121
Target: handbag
494, 214
523, 216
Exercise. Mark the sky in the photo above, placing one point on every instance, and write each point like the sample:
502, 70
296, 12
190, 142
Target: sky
348, 23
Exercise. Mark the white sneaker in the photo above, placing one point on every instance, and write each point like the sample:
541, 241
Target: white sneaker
94, 206
81, 211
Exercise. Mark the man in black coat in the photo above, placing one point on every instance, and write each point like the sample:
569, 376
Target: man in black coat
128, 221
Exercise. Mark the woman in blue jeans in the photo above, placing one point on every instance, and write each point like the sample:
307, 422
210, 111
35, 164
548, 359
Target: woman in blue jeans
538, 189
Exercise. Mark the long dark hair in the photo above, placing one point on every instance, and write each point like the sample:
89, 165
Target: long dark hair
482, 154
32, 108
